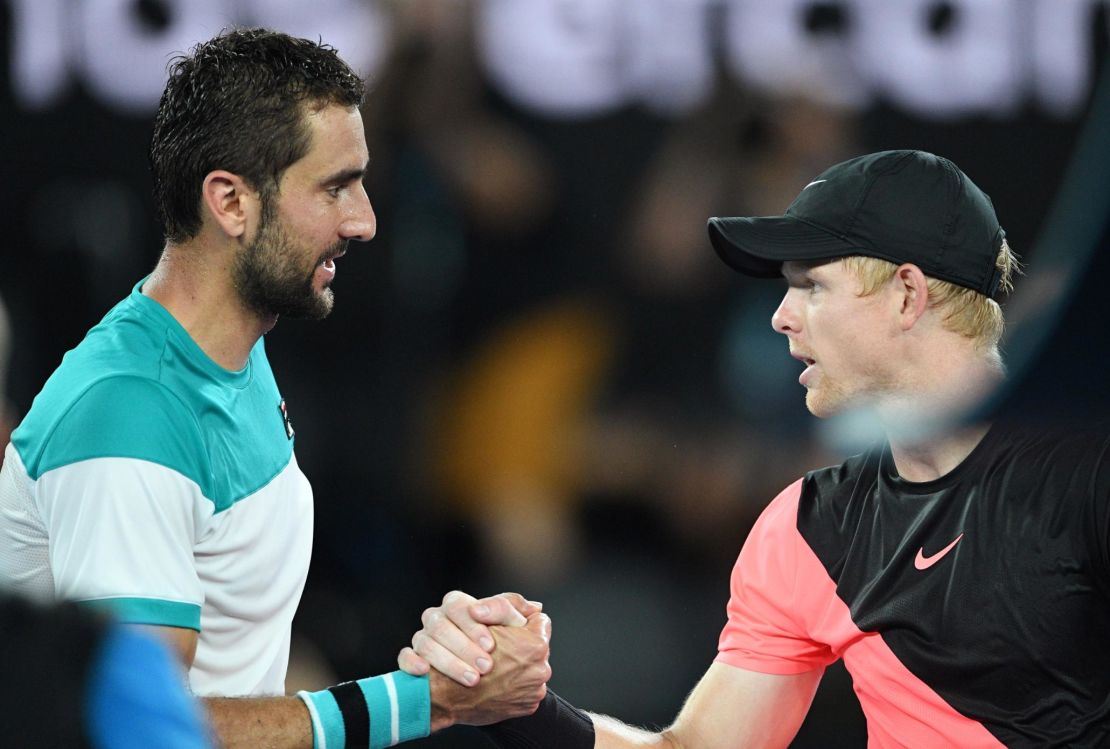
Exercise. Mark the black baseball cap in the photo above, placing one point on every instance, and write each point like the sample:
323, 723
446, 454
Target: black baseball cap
901, 206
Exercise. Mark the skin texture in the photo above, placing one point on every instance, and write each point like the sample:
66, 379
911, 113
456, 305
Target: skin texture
513, 685
839, 334
887, 350
730, 707
320, 205
255, 258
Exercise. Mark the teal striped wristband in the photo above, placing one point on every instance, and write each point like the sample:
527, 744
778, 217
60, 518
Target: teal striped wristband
377, 712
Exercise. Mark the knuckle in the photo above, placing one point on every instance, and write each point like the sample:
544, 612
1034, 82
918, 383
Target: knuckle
437, 620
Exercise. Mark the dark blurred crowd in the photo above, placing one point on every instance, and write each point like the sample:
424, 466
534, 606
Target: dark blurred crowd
538, 376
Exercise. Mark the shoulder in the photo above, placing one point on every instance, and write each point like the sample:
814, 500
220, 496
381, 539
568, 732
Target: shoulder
831, 489
823, 490
1061, 448
832, 478
115, 416
109, 398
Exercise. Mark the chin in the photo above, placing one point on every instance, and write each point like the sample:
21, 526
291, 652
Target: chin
325, 303
822, 406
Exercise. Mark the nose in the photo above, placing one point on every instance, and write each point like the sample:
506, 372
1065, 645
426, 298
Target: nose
786, 320
360, 223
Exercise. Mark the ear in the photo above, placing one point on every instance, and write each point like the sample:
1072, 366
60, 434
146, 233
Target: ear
912, 288
230, 201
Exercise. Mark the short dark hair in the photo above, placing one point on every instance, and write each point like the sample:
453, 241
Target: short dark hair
238, 102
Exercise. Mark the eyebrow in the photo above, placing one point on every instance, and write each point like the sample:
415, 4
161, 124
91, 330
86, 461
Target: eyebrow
345, 176
794, 274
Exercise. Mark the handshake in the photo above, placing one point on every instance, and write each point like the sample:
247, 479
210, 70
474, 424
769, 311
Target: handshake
487, 659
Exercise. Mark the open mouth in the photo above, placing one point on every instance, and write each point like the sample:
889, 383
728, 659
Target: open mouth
328, 261
803, 359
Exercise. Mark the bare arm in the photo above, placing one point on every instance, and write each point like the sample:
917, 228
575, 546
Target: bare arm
517, 674
730, 708
264, 722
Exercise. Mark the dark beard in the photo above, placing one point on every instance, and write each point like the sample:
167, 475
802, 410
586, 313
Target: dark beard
270, 282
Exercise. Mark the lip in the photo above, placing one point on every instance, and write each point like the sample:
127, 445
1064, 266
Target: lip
807, 373
332, 257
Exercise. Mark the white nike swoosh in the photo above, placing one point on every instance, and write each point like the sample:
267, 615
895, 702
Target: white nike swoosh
814, 182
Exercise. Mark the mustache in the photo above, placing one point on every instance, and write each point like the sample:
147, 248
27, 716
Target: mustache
334, 251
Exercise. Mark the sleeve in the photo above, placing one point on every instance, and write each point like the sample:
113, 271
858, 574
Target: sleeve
121, 514
764, 631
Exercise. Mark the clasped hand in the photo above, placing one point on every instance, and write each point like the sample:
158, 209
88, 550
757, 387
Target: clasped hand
487, 658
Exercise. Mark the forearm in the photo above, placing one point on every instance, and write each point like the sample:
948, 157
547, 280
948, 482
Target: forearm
370, 713
561, 726
262, 722
610, 733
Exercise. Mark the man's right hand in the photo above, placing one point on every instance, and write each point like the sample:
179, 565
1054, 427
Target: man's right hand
514, 686
456, 639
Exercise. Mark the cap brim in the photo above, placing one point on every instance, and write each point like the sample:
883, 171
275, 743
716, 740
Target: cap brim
758, 246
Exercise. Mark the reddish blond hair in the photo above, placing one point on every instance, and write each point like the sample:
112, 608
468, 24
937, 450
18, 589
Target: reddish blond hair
965, 311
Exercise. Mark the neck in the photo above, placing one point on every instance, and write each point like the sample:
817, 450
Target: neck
193, 282
938, 456
927, 432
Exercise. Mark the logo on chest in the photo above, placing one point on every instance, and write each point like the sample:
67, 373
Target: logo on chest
285, 419
923, 562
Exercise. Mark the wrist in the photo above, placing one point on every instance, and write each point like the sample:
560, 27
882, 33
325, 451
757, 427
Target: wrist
369, 713
442, 716
555, 723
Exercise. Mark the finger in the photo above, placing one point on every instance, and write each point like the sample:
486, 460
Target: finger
541, 625
520, 603
499, 609
444, 661
464, 638
411, 663
457, 630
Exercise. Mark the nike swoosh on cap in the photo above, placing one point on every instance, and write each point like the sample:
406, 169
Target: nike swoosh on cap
814, 182
923, 562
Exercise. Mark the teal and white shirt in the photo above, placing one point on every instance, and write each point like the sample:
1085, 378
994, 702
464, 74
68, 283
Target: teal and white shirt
148, 480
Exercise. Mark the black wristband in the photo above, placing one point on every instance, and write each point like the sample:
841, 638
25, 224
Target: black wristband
556, 723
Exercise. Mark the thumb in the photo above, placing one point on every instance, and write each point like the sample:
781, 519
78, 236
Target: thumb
541, 625
499, 610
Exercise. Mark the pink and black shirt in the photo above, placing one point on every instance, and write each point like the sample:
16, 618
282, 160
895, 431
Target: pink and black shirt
971, 611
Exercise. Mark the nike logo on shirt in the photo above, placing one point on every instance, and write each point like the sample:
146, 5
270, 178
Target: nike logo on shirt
923, 562
814, 182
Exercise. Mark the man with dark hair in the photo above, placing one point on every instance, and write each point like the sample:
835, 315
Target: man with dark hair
960, 569
155, 476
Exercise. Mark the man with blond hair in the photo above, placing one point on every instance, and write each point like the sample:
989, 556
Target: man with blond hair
960, 569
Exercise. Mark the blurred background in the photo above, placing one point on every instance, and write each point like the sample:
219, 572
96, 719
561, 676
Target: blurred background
538, 377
